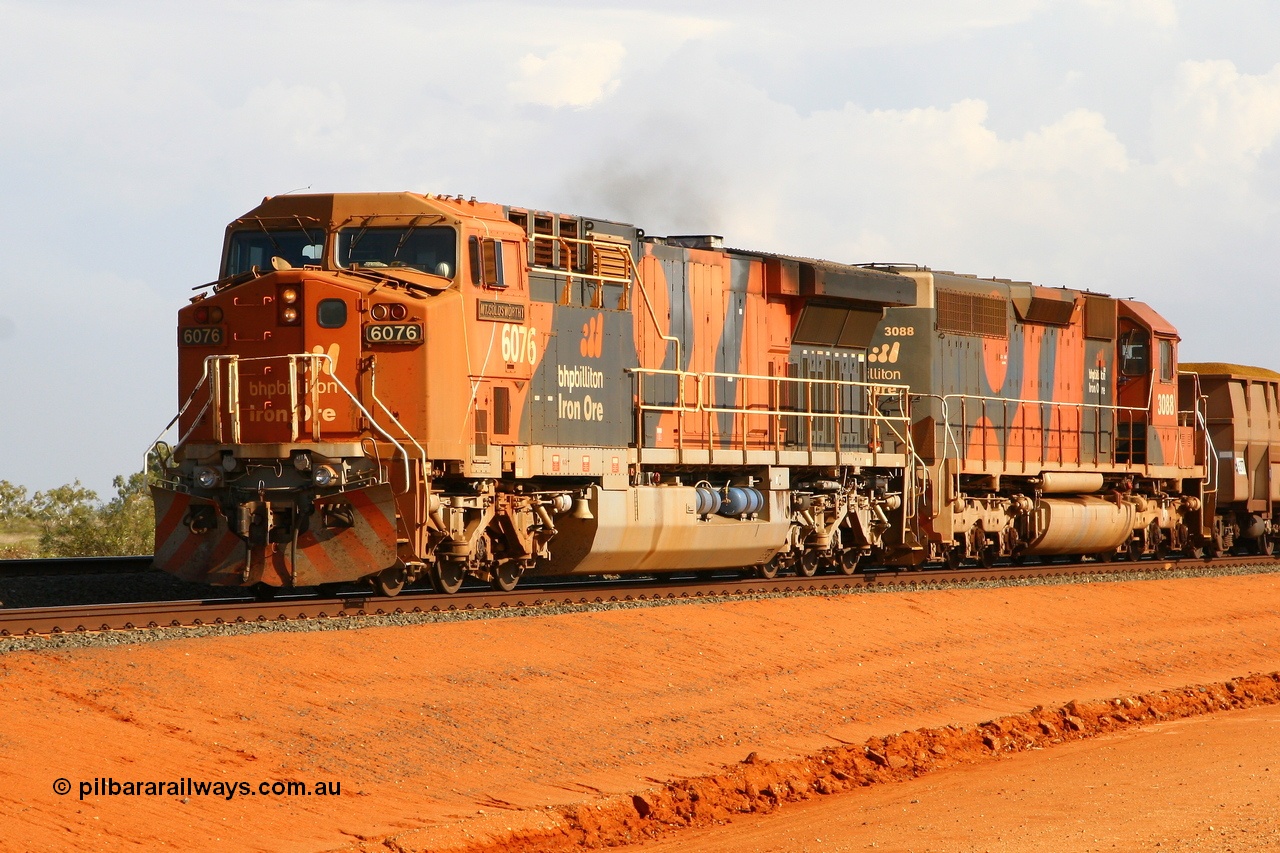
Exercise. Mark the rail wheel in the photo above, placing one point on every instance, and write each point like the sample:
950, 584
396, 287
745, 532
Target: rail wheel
807, 565
1133, 551
987, 556
848, 562
447, 576
505, 575
768, 571
1264, 546
1159, 541
955, 558
390, 582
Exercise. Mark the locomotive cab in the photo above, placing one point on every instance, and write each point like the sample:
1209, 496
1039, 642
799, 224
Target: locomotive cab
1149, 429
304, 372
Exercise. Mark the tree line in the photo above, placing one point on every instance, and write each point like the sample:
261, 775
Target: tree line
71, 521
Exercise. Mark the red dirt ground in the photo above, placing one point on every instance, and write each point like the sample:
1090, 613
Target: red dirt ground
1210, 783
446, 735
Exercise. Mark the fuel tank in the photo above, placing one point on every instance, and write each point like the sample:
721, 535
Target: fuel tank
1083, 524
644, 529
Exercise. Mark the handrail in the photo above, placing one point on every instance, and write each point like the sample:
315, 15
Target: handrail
313, 363
1127, 414
704, 403
633, 278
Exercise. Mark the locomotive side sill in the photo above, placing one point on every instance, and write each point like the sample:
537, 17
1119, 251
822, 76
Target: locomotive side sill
331, 449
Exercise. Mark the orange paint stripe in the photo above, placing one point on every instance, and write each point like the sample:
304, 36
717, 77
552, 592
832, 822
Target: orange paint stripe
317, 557
224, 549
173, 516
374, 515
181, 553
356, 552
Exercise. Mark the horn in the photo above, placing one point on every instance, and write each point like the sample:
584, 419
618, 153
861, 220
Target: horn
581, 509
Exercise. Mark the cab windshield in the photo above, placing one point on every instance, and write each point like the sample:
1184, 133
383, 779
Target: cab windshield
431, 249
255, 248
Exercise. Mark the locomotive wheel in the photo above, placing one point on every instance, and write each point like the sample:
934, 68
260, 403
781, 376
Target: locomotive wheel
447, 576
987, 556
955, 558
389, 582
1264, 546
768, 571
505, 576
848, 562
807, 566
1134, 550
1159, 542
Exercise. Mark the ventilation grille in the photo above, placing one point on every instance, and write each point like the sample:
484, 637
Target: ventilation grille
568, 249
608, 259
482, 432
501, 410
972, 314
544, 251
1100, 318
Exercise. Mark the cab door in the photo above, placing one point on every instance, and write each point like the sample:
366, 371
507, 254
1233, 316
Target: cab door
1133, 391
1164, 404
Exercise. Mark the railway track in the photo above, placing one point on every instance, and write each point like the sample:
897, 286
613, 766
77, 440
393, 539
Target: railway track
35, 621
56, 566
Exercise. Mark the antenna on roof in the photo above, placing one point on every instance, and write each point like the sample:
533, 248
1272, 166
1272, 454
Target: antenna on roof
298, 189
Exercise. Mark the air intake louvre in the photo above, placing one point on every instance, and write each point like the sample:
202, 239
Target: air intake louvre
482, 432
608, 259
501, 410
972, 314
543, 250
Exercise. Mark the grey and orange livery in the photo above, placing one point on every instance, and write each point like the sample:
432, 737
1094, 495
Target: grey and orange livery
387, 386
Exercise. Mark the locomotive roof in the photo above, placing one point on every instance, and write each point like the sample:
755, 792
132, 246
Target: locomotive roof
341, 207
1223, 368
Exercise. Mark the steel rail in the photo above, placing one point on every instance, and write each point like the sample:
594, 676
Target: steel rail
198, 613
54, 566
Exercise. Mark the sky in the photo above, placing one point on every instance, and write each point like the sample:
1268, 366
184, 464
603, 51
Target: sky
1125, 146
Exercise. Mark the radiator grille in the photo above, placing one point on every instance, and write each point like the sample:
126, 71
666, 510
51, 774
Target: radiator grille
972, 314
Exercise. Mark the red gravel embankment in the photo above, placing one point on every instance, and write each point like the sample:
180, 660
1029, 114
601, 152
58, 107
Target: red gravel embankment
445, 735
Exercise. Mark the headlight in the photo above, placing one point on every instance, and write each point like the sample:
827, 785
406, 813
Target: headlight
323, 475
207, 478
288, 296
289, 314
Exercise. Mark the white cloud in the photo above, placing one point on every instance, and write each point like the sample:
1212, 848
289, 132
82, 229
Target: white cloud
1214, 122
572, 75
133, 132
1161, 13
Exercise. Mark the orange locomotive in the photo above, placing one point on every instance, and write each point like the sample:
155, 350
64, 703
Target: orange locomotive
386, 386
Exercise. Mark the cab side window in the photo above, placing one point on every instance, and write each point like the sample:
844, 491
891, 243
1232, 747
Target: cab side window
1166, 360
1135, 353
486, 262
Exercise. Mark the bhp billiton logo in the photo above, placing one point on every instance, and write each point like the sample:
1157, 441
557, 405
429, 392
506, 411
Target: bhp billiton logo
886, 354
592, 343
331, 365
